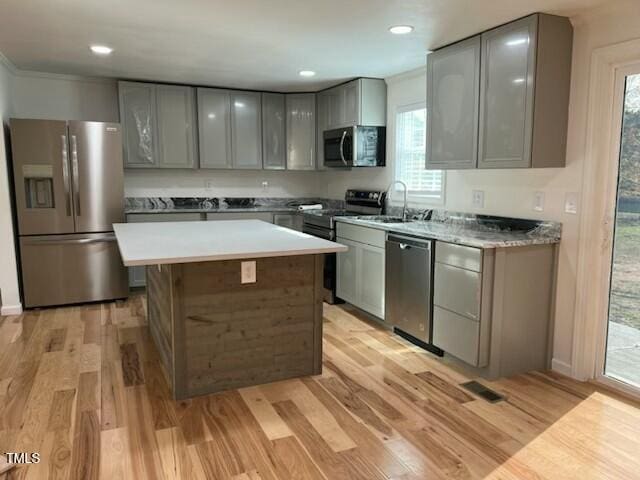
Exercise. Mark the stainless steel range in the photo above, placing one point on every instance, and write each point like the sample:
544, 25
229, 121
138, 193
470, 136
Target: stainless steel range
321, 223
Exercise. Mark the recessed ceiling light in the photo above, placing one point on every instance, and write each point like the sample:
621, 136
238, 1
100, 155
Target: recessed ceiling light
101, 49
518, 80
306, 73
401, 29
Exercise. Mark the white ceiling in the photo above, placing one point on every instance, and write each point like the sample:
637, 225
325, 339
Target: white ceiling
255, 44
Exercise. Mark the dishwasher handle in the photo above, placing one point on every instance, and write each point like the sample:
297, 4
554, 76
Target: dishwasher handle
406, 243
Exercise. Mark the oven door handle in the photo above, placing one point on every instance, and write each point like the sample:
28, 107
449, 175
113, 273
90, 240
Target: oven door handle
344, 134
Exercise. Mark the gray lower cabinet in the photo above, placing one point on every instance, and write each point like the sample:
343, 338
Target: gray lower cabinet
360, 271
159, 125
289, 220
274, 151
453, 96
214, 124
492, 307
137, 274
458, 325
246, 130
301, 131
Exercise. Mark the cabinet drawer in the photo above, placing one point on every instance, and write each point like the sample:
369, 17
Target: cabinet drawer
457, 335
457, 290
459, 256
370, 236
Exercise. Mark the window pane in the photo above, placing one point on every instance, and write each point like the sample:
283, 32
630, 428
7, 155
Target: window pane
410, 155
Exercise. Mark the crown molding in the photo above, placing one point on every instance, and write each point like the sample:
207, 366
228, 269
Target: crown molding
52, 76
416, 72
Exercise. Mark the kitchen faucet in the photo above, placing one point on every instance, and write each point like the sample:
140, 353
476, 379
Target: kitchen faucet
404, 205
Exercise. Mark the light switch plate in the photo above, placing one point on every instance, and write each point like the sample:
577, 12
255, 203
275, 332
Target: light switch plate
248, 272
538, 201
477, 198
571, 203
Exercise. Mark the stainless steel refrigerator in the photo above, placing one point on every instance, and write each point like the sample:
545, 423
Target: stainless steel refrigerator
68, 183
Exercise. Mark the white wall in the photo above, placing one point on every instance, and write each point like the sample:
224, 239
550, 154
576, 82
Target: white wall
9, 295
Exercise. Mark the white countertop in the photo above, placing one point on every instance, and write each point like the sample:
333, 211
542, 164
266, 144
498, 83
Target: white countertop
184, 242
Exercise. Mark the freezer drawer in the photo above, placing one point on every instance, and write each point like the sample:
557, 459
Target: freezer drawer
64, 269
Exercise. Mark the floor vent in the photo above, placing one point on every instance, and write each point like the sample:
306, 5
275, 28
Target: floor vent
482, 391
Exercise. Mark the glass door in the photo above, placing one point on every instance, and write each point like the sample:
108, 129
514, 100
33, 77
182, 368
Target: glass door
622, 356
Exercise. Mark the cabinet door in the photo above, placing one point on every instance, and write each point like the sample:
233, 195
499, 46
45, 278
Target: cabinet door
176, 127
453, 89
301, 131
371, 276
138, 118
351, 100
214, 123
273, 131
334, 108
246, 130
506, 95
346, 272
322, 110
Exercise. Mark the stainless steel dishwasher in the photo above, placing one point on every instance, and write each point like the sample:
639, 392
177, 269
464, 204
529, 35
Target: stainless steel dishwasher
409, 288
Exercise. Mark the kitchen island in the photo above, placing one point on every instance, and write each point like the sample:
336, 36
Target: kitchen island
230, 303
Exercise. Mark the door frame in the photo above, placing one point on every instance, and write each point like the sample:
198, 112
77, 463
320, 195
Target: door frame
604, 119
612, 191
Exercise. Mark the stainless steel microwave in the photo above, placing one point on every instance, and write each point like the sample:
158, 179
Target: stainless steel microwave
356, 146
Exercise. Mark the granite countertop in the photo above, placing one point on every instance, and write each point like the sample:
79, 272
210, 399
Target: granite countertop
468, 231
135, 205
185, 242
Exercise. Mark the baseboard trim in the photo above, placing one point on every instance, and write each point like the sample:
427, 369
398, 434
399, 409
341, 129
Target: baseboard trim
11, 310
561, 367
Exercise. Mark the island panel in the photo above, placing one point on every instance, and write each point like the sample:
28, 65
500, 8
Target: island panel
224, 334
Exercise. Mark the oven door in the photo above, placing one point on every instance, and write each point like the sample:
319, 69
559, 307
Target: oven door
338, 148
329, 280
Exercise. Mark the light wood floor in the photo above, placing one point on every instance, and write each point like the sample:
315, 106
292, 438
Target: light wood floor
83, 387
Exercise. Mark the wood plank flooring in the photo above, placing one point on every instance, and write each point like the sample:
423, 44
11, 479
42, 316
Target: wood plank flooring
83, 387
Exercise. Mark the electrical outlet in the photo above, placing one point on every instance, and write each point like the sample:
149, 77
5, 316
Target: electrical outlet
571, 203
477, 198
265, 185
538, 201
208, 184
248, 272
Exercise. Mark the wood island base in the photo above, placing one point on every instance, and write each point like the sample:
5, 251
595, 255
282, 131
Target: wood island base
215, 333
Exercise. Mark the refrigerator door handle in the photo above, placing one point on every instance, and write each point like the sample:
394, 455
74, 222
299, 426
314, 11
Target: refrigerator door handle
71, 241
65, 173
76, 178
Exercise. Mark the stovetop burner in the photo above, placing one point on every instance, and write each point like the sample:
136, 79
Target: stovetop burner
358, 202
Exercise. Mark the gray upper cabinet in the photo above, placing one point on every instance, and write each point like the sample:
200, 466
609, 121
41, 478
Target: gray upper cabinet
214, 124
246, 130
159, 125
453, 95
501, 99
273, 131
360, 102
176, 127
138, 118
301, 131
525, 80
322, 111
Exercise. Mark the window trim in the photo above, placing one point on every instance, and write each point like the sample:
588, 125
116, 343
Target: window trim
412, 199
